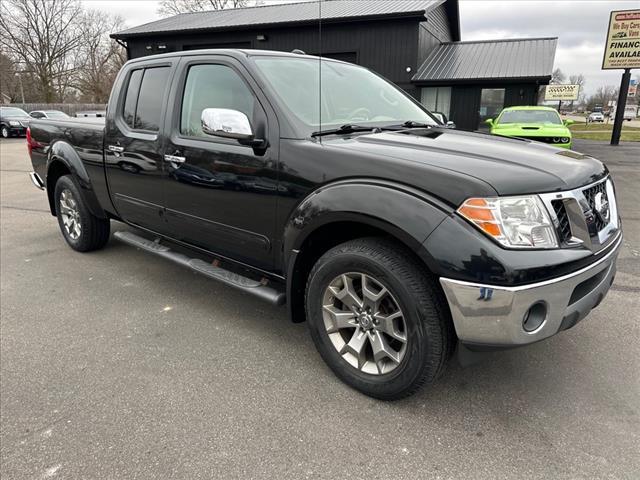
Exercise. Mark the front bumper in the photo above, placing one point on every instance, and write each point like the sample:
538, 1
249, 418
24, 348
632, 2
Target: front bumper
491, 316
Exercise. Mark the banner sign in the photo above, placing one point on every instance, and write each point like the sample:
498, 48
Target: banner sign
633, 88
561, 92
623, 41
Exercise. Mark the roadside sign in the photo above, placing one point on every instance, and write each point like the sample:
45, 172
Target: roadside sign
561, 92
623, 40
633, 88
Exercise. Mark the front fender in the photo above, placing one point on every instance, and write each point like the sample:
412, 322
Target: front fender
405, 213
63, 153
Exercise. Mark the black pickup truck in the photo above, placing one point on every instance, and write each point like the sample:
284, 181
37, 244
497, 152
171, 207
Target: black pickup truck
319, 184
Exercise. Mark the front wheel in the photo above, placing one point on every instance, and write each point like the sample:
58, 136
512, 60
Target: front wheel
5, 132
378, 318
82, 230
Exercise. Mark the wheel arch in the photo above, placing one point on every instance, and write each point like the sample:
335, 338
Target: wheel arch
337, 213
64, 160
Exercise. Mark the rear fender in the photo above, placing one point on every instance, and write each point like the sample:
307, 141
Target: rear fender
64, 153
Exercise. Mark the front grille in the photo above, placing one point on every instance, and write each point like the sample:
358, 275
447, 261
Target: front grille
541, 139
590, 195
564, 226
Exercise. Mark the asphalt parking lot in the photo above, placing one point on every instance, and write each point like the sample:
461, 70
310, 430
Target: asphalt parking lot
117, 364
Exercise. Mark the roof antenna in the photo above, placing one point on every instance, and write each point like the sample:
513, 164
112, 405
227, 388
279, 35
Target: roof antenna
320, 68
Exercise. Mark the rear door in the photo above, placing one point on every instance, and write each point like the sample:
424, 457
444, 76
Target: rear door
222, 197
134, 144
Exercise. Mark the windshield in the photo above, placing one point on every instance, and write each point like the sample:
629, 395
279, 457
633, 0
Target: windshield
56, 114
350, 94
13, 112
530, 116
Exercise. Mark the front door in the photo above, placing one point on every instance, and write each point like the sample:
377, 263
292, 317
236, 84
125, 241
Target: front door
133, 145
220, 196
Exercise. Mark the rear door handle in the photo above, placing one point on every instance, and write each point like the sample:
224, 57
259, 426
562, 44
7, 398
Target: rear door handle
174, 159
114, 148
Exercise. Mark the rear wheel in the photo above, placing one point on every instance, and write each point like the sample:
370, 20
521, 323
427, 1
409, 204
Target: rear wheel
82, 230
377, 318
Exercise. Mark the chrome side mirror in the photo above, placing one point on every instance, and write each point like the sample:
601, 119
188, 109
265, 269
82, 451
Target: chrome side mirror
223, 122
451, 124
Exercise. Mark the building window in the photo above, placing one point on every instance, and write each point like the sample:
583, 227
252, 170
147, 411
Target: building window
491, 104
437, 99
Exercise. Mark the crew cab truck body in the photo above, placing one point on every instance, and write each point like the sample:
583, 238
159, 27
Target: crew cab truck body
395, 238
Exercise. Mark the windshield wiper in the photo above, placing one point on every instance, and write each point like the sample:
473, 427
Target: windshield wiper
344, 129
412, 124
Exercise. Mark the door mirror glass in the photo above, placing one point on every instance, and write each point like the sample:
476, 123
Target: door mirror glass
223, 122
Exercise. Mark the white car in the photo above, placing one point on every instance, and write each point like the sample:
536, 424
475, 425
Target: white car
53, 114
596, 117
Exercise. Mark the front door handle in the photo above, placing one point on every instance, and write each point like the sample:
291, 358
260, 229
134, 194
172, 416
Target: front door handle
114, 148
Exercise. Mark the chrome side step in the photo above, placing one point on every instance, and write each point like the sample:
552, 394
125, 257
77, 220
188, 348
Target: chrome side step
254, 287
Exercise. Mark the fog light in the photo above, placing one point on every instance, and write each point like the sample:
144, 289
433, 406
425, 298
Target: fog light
534, 317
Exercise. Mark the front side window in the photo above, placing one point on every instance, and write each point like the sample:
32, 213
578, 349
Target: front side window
145, 98
345, 93
212, 86
530, 116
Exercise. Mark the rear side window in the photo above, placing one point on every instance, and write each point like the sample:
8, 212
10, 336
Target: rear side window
131, 99
212, 86
145, 97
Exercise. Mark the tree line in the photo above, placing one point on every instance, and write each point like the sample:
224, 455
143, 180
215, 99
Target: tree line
57, 51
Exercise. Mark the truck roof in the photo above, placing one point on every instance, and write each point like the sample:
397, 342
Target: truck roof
232, 52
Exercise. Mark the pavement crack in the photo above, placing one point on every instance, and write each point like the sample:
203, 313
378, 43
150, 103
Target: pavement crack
24, 209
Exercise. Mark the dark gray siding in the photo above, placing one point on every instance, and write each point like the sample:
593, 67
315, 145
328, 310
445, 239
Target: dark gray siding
438, 22
387, 46
433, 32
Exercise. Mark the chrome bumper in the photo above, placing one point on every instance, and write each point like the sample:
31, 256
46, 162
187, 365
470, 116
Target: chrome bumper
495, 316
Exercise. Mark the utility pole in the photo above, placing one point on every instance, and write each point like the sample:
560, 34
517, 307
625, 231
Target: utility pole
622, 101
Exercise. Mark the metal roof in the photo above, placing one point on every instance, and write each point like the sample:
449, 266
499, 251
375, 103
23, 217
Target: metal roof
491, 60
282, 13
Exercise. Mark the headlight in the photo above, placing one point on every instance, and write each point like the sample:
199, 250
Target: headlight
555, 139
515, 222
565, 139
13, 123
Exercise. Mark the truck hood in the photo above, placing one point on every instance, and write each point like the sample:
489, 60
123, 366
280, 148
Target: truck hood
510, 166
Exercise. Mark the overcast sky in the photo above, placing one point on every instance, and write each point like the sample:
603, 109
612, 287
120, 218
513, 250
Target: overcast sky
580, 25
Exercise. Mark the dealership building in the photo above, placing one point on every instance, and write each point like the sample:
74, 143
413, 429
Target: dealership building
414, 43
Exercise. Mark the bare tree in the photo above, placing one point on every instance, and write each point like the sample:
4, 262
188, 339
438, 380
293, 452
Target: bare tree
100, 56
41, 36
603, 96
577, 80
557, 76
175, 7
9, 84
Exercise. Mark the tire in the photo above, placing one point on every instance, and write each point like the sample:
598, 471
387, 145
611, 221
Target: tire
82, 230
5, 132
424, 320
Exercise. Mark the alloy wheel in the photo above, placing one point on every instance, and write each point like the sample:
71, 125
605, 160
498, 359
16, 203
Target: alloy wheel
364, 323
70, 214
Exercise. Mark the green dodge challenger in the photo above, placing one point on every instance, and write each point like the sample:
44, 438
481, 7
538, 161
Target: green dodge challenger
542, 124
